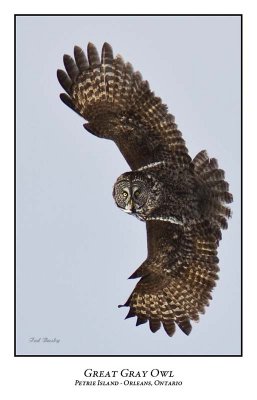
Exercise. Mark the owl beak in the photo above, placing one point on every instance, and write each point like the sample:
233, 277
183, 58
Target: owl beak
129, 207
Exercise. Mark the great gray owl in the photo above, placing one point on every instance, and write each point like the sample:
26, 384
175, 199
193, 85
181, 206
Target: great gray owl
182, 201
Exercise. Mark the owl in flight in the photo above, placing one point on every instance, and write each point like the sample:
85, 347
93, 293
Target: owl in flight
181, 200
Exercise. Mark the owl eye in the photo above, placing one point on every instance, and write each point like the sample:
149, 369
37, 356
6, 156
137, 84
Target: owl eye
125, 194
136, 193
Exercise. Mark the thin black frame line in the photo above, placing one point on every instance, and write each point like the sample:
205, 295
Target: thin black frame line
15, 298
128, 15
128, 355
15, 186
241, 185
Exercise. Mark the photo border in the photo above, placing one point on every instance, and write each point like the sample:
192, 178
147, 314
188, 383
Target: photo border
241, 183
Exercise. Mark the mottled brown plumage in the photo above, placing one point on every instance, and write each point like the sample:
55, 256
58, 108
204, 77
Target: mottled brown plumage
177, 277
120, 106
181, 200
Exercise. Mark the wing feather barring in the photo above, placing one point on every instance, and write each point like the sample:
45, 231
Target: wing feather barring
181, 200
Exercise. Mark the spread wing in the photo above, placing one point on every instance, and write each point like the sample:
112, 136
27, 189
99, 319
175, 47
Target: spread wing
120, 106
177, 277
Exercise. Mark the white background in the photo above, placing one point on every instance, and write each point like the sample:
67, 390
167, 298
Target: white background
41, 377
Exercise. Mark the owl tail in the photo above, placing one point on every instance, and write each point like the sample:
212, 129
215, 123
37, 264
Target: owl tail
214, 192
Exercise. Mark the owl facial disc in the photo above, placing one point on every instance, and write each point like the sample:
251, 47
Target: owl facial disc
130, 194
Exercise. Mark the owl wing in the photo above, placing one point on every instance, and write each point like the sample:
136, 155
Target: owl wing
120, 106
177, 277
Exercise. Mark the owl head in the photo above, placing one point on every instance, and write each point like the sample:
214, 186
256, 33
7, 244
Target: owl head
133, 193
